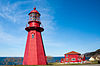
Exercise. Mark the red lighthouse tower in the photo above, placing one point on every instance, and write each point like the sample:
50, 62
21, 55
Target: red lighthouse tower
34, 51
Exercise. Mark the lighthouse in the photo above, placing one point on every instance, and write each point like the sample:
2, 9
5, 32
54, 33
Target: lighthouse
34, 50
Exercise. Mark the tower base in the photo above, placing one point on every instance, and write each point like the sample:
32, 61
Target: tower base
34, 51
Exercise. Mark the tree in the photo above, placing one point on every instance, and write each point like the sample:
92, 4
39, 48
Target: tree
6, 61
49, 57
19, 61
13, 61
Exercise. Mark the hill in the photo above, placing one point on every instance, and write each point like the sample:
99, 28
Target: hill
95, 53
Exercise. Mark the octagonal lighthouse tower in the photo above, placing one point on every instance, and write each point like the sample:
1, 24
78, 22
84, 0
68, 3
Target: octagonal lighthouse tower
34, 51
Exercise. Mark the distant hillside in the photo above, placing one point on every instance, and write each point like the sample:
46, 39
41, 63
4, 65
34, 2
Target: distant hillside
89, 54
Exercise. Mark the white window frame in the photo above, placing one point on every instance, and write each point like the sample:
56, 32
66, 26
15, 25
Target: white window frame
72, 59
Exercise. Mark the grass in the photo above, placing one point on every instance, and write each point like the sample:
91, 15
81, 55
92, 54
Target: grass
55, 64
66, 64
95, 62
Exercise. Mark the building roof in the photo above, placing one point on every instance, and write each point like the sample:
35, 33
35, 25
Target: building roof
34, 11
72, 52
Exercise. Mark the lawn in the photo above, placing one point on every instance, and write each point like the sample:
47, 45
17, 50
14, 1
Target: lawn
57, 64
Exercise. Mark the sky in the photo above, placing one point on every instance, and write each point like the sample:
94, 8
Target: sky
69, 25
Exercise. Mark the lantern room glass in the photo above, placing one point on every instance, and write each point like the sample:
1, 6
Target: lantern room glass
34, 17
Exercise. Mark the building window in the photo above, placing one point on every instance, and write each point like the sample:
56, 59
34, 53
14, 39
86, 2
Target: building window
73, 59
66, 59
79, 58
66, 55
32, 35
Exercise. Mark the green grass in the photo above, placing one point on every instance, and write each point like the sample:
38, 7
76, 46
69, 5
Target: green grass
66, 64
55, 64
95, 62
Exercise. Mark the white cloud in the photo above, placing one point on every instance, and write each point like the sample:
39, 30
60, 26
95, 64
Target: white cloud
13, 14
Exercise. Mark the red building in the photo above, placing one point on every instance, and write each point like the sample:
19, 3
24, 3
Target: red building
73, 57
34, 51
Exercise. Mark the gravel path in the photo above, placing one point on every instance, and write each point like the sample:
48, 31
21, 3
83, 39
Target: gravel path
76, 65
60, 65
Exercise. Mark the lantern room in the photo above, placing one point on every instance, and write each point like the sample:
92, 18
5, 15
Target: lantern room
34, 15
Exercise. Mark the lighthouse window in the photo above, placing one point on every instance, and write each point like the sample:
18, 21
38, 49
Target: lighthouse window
37, 15
38, 18
32, 35
33, 14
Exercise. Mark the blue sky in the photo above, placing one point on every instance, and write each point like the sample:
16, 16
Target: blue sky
70, 25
